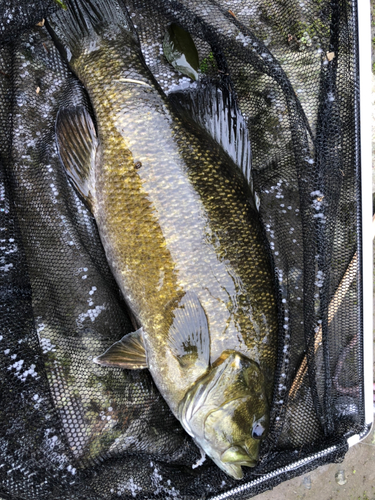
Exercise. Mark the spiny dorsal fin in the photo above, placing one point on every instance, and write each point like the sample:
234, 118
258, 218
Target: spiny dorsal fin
129, 353
213, 108
78, 144
189, 338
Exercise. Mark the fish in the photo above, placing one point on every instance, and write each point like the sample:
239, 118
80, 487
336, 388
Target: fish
181, 234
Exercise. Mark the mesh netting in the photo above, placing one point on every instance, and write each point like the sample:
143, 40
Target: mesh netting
70, 429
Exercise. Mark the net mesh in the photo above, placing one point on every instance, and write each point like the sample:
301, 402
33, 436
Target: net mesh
68, 428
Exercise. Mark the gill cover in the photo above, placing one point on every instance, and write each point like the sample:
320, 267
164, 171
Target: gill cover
226, 412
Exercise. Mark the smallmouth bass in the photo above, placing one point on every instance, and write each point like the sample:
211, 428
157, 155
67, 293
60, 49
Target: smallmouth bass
181, 235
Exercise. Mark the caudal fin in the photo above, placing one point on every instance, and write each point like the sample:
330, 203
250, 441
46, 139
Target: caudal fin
83, 20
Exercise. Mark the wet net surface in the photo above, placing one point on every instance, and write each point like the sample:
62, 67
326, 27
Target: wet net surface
68, 428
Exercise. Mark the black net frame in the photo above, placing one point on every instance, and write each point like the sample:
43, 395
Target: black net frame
57, 437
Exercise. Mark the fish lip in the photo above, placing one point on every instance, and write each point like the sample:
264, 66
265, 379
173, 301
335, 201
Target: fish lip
248, 463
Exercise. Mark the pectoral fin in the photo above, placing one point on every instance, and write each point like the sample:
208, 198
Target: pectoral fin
78, 144
129, 353
188, 337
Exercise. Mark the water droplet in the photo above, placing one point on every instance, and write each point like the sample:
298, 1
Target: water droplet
340, 477
307, 482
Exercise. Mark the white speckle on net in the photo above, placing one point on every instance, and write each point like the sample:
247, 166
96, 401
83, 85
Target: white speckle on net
40, 328
72, 470
7, 351
91, 313
284, 301
320, 217
17, 365
6, 267
316, 193
1, 337
47, 346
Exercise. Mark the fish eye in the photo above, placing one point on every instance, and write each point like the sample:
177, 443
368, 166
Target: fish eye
258, 431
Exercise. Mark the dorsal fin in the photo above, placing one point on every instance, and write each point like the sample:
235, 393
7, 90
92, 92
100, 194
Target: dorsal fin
77, 143
213, 108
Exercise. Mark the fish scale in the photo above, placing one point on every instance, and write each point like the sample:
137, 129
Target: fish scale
176, 220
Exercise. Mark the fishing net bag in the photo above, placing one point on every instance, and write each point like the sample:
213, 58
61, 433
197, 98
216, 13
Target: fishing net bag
289, 78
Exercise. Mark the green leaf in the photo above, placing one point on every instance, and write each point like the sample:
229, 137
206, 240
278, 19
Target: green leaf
181, 52
61, 4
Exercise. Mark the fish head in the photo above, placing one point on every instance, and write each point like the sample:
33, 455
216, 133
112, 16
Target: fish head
227, 412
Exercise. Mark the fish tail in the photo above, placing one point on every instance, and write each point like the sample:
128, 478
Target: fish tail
84, 19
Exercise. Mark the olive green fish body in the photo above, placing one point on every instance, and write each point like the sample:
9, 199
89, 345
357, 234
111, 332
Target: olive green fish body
185, 246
